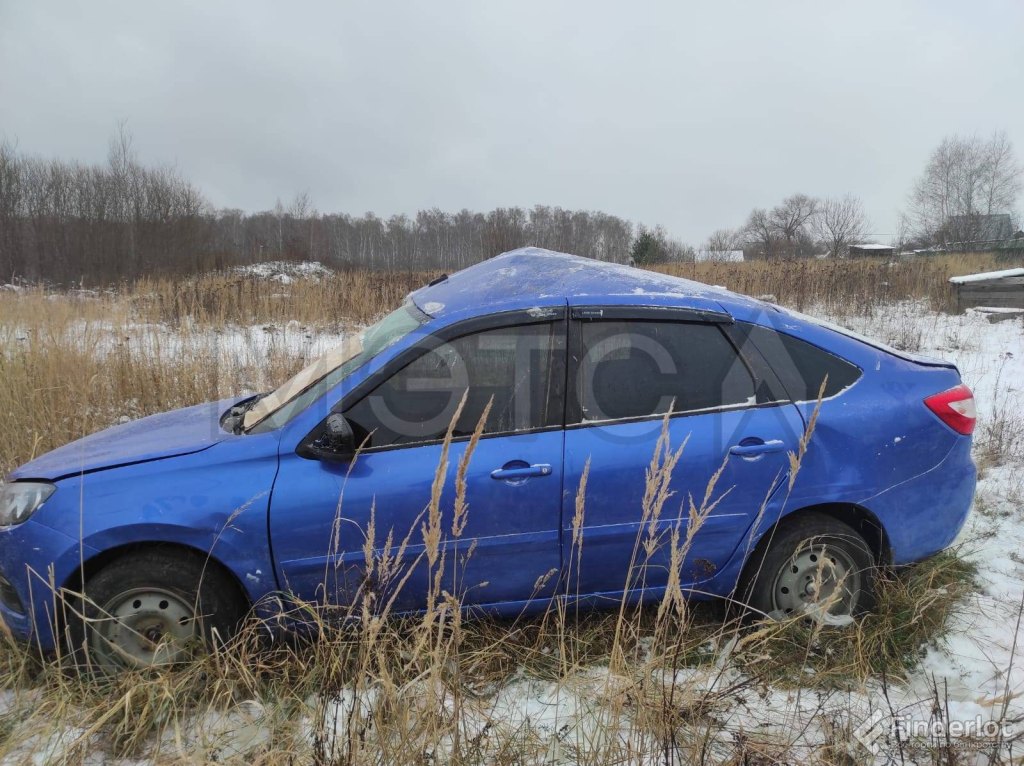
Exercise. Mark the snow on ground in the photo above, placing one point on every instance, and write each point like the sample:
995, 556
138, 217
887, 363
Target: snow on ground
231, 347
284, 272
232, 343
984, 639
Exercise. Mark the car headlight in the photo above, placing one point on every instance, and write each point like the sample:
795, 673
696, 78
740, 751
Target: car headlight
20, 499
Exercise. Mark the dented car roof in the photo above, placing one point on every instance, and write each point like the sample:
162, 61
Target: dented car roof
532, 277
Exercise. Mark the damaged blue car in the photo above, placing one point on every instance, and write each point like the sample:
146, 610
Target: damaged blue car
806, 457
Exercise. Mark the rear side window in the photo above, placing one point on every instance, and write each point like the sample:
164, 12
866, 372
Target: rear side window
633, 369
800, 366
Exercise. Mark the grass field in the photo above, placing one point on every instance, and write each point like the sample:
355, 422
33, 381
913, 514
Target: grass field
671, 683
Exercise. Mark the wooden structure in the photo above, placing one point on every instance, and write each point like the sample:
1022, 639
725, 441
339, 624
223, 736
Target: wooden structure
871, 250
993, 288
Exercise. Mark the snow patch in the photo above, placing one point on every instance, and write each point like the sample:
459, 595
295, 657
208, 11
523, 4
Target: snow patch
433, 307
284, 272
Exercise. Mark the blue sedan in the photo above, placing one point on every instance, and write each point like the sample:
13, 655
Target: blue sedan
132, 545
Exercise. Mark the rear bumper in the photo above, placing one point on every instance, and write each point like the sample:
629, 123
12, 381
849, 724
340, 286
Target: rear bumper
34, 560
924, 515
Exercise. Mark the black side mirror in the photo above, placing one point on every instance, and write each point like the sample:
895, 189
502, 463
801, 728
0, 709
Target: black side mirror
335, 441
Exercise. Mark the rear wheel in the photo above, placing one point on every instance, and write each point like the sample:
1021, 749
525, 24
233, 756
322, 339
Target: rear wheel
153, 608
814, 566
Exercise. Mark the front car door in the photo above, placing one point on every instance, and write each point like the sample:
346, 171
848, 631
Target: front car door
629, 367
326, 519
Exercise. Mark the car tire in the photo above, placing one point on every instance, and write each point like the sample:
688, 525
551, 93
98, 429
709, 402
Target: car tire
152, 608
811, 564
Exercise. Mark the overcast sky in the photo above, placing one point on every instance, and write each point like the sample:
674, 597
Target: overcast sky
684, 114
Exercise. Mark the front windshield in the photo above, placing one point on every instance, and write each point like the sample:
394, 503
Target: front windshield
278, 407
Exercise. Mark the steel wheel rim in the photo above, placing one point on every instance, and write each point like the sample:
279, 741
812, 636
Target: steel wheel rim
144, 627
820, 581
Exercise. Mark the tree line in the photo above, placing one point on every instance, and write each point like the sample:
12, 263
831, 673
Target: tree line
68, 222
798, 227
967, 181
63, 221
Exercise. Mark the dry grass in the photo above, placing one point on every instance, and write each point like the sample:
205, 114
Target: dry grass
633, 684
59, 386
842, 287
214, 299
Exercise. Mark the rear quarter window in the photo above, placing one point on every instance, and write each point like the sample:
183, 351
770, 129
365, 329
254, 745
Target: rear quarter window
800, 366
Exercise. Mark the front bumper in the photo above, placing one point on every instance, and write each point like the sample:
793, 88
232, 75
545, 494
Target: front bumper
35, 562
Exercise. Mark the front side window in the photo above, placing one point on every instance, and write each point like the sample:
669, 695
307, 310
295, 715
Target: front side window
513, 368
633, 369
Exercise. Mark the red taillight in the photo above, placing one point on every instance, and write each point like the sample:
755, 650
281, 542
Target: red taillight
955, 408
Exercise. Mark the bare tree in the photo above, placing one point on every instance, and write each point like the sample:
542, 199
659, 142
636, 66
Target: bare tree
839, 223
904, 236
303, 217
1000, 175
760, 232
719, 244
11, 195
965, 178
792, 218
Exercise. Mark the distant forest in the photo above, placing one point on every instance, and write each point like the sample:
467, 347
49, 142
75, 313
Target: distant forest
68, 222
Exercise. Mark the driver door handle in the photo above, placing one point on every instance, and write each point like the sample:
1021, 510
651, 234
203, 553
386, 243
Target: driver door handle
524, 472
757, 448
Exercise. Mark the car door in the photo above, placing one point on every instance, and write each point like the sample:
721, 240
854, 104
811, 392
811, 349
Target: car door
339, 530
630, 366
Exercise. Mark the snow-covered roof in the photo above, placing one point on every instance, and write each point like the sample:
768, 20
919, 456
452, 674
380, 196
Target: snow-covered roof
994, 310
987, 275
872, 246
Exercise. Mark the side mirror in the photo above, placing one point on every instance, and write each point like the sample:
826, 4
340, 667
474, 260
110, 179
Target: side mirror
335, 442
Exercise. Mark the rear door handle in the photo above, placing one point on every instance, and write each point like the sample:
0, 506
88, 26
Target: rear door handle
521, 472
757, 448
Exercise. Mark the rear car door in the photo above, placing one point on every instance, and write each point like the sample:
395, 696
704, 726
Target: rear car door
327, 519
630, 366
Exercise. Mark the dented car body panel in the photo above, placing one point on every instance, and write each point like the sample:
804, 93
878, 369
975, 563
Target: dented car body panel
164, 435
286, 525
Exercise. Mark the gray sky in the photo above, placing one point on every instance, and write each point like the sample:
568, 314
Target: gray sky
682, 114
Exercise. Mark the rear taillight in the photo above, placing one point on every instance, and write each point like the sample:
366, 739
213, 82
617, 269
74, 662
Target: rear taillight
955, 408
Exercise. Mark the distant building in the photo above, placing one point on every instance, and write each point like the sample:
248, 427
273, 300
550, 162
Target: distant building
871, 250
980, 232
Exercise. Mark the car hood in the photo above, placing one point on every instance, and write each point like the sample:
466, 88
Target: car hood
167, 434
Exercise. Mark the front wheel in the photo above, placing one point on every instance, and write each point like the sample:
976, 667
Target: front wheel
814, 566
152, 608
